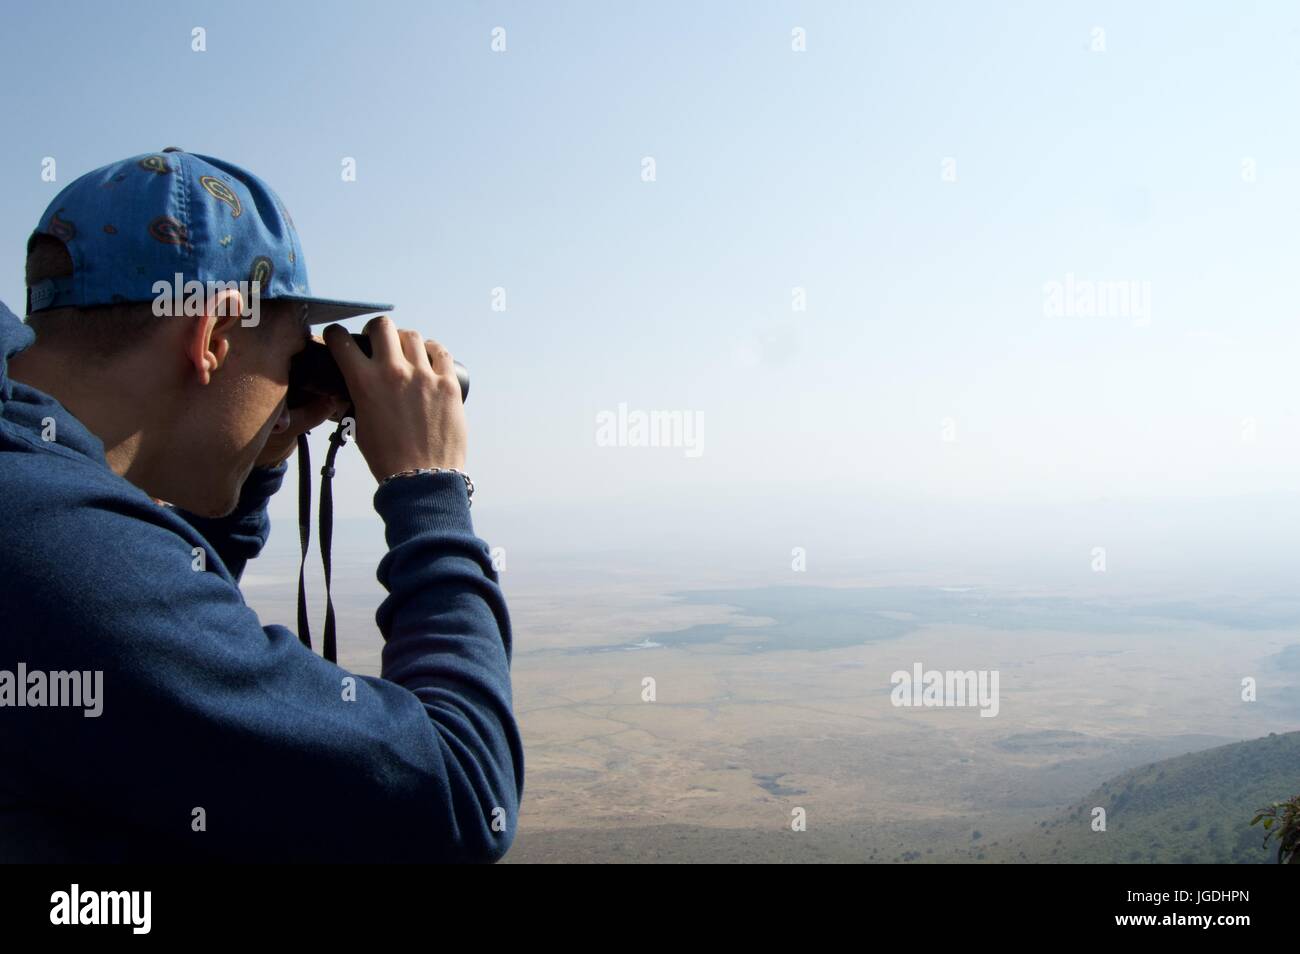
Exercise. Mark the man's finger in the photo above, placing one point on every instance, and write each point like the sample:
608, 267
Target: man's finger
385, 346
413, 347
439, 357
347, 355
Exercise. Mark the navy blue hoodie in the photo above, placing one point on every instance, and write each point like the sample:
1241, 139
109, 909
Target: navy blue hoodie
219, 738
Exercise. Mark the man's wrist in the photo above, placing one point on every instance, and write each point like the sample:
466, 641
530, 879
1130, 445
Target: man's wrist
422, 503
415, 472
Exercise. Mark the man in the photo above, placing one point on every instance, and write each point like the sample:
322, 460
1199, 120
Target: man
145, 713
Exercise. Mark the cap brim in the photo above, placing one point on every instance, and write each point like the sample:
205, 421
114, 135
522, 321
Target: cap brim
323, 310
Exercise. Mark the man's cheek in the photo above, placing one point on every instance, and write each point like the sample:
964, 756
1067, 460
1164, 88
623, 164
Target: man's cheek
264, 432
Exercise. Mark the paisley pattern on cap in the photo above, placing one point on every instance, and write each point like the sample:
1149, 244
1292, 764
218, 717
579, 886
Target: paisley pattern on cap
222, 193
285, 212
168, 231
62, 228
261, 271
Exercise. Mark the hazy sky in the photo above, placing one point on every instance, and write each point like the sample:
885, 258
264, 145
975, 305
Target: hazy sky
921, 173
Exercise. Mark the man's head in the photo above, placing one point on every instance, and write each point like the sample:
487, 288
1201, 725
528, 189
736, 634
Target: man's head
187, 401
168, 293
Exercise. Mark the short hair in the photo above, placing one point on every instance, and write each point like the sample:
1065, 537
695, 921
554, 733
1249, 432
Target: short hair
94, 331
103, 331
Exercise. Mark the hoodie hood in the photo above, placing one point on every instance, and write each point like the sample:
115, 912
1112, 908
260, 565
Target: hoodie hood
14, 337
27, 411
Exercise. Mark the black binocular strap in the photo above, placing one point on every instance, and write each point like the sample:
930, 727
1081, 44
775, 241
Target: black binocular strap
304, 534
337, 440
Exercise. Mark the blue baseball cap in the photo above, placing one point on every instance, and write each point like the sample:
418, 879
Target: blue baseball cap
148, 219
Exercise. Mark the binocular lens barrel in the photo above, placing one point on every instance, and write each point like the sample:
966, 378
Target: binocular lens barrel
313, 372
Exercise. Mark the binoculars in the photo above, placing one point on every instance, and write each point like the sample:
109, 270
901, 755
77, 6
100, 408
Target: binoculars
313, 373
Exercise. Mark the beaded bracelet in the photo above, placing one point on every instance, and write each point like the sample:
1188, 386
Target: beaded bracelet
469, 484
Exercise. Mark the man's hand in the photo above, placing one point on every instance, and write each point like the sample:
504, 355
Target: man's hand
408, 405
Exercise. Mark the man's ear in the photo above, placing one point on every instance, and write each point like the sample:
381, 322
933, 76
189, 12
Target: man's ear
207, 343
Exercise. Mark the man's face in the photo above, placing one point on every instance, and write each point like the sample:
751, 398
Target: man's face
236, 412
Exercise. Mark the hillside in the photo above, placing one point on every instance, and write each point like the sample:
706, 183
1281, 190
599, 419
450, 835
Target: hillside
1194, 808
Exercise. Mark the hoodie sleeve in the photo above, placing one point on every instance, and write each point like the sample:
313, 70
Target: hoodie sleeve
240, 535
234, 741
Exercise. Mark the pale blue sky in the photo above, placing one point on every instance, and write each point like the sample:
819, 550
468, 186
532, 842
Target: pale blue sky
775, 169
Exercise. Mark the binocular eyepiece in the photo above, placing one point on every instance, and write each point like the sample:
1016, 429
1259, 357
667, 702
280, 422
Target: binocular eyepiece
313, 372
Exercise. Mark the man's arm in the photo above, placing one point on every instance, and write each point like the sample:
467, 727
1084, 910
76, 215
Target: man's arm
284, 755
240, 535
